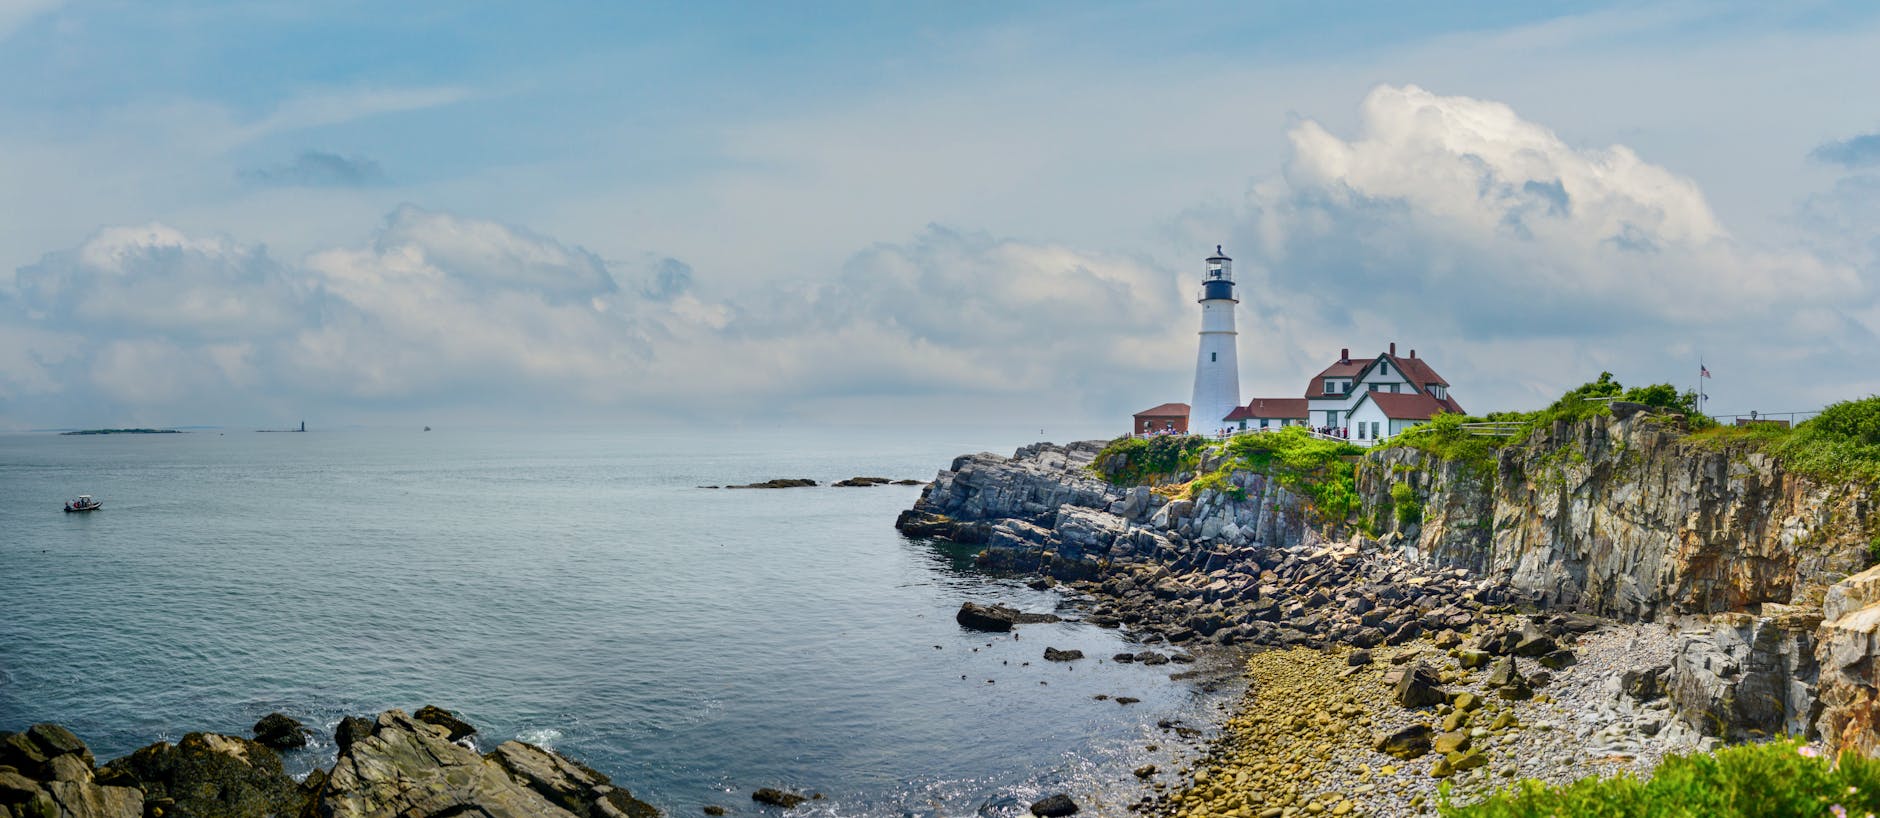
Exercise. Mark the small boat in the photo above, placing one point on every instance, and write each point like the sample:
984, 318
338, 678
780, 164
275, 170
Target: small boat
83, 503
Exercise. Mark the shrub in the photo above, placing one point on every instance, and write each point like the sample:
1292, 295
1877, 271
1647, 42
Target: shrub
1773, 780
1151, 460
1403, 498
1321, 470
1842, 443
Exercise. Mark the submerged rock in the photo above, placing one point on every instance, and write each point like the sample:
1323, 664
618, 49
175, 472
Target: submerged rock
777, 798
779, 483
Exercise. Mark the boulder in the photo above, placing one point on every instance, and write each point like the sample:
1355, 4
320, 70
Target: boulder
996, 618
1054, 806
351, 729
1418, 687
277, 731
1407, 743
1055, 655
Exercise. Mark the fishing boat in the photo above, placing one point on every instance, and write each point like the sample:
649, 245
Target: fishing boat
83, 503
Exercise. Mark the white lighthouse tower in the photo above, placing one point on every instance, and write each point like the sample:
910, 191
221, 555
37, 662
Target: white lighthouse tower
1217, 367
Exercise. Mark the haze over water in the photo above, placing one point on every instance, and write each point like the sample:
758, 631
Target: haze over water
573, 589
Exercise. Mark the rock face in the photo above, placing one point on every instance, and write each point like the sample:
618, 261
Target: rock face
1747, 676
47, 771
1625, 517
409, 767
457, 728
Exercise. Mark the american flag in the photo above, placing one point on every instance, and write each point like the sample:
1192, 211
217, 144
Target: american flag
1703, 370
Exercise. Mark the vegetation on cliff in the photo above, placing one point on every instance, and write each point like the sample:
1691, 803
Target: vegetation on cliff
1776, 780
1842, 443
1319, 470
1136, 461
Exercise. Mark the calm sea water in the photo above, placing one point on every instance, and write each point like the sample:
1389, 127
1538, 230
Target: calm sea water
571, 589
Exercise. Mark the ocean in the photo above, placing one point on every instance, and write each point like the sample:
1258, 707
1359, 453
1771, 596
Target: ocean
575, 589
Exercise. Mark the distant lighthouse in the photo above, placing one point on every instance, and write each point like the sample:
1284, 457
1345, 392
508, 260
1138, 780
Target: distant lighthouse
1217, 367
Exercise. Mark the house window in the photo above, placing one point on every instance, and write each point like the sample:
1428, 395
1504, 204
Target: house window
1374, 430
1377, 387
1383, 368
1360, 431
1213, 356
1263, 423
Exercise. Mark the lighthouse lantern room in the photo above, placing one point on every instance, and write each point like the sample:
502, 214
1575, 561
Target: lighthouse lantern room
1217, 366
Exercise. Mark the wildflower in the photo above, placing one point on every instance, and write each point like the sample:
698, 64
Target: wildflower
1808, 752
1839, 811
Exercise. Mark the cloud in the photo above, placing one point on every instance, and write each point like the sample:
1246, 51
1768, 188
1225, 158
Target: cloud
1852, 152
15, 14
319, 169
1463, 213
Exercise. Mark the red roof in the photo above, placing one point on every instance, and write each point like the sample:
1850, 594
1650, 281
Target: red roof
1408, 406
1341, 369
1414, 370
1166, 410
1270, 408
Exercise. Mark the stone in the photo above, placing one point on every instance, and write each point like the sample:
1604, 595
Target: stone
1558, 659
1145, 771
1358, 658
713, 809
1450, 742
1470, 659
1054, 806
1055, 655
277, 731
779, 483
458, 728
1419, 687
1406, 743
1502, 672
1466, 760
777, 798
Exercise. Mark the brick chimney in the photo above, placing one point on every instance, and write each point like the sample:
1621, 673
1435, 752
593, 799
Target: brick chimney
1393, 348
1413, 354
1344, 355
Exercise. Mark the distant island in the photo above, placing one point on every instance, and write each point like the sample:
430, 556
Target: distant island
123, 432
303, 427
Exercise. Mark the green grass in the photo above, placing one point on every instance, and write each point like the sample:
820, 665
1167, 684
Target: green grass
1773, 780
1320, 470
1840, 444
1150, 461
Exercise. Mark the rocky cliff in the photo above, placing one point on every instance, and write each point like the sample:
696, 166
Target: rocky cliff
1625, 516
393, 765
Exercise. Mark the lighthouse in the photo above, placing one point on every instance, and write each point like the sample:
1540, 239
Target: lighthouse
1217, 367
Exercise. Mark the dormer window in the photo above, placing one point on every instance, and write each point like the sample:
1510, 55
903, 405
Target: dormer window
1383, 369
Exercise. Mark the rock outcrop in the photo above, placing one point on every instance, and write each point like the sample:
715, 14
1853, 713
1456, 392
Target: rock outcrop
47, 771
394, 765
1627, 517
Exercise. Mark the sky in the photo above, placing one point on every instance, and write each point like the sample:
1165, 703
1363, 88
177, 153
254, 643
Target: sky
701, 214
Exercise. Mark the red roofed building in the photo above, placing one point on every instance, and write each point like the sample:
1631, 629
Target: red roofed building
1364, 399
1169, 418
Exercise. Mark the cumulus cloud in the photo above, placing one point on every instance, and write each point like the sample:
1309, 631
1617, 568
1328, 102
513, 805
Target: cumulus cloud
319, 169
1852, 152
1451, 217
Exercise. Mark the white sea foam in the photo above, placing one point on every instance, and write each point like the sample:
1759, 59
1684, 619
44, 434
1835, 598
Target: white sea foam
543, 737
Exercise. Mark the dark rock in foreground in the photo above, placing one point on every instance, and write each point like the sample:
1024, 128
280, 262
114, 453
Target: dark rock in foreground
1055, 805
394, 765
997, 617
280, 732
1055, 655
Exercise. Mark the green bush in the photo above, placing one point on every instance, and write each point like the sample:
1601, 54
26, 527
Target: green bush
1148, 461
1321, 470
1403, 498
1774, 780
1842, 443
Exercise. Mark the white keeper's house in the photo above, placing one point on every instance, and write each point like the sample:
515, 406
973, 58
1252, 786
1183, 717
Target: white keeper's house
1364, 400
